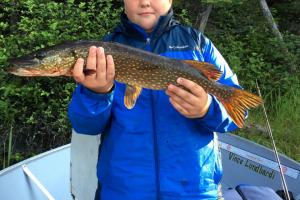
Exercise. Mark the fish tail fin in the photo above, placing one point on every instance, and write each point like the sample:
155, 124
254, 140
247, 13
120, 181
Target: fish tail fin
237, 103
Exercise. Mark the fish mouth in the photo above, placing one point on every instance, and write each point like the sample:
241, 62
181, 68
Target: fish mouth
24, 67
31, 72
20, 71
29, 60
22, 64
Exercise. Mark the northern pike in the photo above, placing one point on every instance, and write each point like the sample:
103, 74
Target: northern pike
138, 69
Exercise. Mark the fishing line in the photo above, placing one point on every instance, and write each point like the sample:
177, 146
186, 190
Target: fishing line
283, 181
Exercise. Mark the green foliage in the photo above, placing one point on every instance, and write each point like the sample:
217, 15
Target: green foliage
36, 108
30, 25
182, 16
290, 8
252, 51
284, 123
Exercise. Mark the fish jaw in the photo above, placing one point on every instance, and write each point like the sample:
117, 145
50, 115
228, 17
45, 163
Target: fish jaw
23, 72
33, 72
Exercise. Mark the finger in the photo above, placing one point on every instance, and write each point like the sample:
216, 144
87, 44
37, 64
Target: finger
183, 102
78, 71
91, 59
178, 107
101, 64
193, 87
110, 70
183, 94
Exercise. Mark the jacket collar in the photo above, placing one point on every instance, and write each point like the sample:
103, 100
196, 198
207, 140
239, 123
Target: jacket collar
130, 29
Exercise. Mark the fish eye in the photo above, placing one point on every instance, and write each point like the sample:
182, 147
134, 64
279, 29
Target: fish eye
40, 55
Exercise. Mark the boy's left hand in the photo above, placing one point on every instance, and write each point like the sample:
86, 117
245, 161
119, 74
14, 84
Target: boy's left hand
192, 102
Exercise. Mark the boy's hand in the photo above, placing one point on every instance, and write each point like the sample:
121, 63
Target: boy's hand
103, 80
192, 102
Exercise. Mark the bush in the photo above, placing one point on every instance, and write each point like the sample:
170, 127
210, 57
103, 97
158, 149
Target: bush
36, 107
251, 49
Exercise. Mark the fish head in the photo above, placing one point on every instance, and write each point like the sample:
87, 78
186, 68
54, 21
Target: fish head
43, 63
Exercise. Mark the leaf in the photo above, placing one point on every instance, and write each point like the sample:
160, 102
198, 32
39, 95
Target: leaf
53, 26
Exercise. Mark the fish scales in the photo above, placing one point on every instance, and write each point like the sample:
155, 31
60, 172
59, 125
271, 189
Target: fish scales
153, 71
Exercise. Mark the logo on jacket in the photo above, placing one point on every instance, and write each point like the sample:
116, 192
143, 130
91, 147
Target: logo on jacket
178, 47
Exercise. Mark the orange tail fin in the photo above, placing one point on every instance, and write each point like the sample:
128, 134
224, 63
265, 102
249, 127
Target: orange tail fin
237, 104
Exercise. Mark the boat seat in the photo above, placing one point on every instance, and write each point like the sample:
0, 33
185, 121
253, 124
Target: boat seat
251, 192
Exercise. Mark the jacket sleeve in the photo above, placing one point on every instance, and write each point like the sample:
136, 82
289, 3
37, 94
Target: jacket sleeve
217, 119
89, 112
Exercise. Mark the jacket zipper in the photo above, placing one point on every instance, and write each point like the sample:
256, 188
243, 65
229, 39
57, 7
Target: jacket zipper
155, 139
148, 46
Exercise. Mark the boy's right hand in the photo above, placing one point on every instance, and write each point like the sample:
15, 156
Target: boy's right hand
103, 80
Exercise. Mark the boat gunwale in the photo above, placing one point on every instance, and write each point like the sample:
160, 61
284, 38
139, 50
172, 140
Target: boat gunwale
31, 159
267, 153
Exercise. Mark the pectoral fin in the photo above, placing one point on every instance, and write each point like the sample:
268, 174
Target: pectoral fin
207, 69
131, 95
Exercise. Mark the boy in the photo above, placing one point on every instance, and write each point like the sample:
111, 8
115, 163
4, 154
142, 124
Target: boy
163, 148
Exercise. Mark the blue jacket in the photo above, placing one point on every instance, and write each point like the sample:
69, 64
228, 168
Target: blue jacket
152, 151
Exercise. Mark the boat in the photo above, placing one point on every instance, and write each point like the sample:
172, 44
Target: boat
65, 173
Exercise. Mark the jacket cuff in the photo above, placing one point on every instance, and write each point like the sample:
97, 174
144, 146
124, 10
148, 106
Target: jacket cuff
216, 119
93, 95
210, 111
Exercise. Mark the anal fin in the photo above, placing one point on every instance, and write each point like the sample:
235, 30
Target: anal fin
208, 70
131, 95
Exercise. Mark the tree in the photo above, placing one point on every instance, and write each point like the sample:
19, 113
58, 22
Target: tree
271, 22
202, 18
273, 26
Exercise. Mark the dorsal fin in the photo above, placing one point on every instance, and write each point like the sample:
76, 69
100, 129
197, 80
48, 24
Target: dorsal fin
207, 69
131, 95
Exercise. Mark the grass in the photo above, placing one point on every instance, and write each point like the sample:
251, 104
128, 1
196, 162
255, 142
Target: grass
284, 114
9, 146
9, 157
6, 163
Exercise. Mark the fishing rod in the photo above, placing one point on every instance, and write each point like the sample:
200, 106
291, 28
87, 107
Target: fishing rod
283, 181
